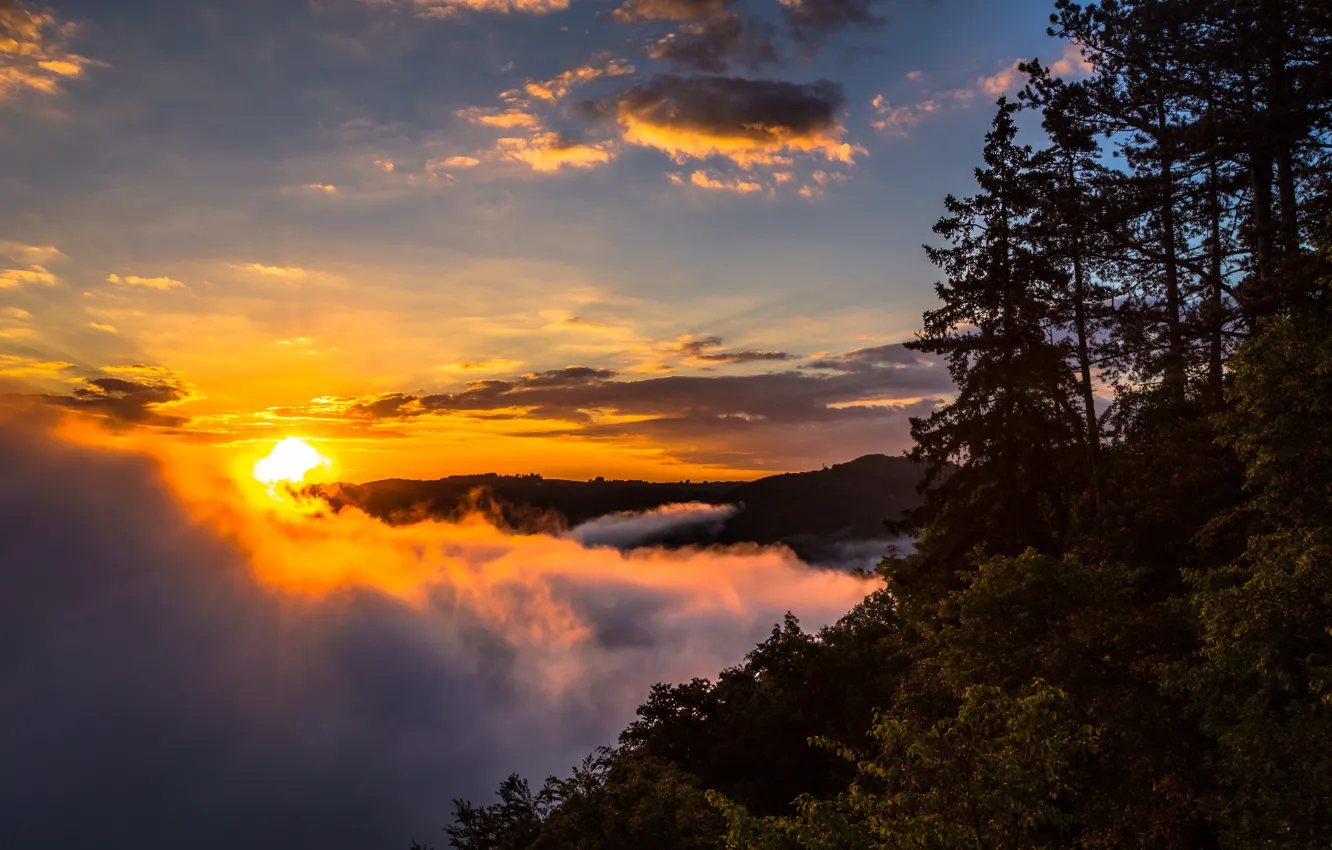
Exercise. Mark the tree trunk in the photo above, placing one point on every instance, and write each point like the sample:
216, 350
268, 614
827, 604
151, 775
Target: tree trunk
1216, 307
1084, 364
1175, 356
1290, 219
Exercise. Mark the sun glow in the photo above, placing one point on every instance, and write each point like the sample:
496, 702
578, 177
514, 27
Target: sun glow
289, 462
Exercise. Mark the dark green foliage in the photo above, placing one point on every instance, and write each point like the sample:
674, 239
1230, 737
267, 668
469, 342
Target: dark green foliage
1265, 683
746, 734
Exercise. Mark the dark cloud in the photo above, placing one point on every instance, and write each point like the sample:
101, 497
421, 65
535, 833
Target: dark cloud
156, 695
810, 19
895, 355
129, 402
710, 35
749, 121
734, 105
714, 44
703, 349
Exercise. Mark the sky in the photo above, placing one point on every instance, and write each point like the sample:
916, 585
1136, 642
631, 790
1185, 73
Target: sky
663, 239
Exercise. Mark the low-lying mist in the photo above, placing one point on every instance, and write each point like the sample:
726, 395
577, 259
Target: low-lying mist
185, 661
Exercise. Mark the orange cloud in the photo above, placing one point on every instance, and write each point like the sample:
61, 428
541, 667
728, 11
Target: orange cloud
1073, 63
34, 258
703, 180
550, 152
10, 278
16, 366
444, 9
286, 272
493, 117
159, 283
454, 162
561, 85
34, 52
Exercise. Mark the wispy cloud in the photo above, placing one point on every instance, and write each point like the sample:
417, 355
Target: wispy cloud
158, 283
1008, 80
283, 272
443, 9
33, 259
565, 82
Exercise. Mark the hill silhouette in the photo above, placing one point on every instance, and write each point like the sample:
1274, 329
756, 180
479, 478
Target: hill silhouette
827, 516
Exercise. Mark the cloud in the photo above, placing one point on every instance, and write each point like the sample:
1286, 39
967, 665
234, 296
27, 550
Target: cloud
443, 9
159, 283
129, 395
637, 11
705, 349
18, 366
894, 356
751, 122
10, 278
32, 254
632, 529
1008, 80
542, 150
557, 88
713, 44
1072, 63
185, 667
97, 326
709, 36
549, 152
34, 259
496, 117
814, 18
896, 120
284, 272
454, 162
34, 51
703, 180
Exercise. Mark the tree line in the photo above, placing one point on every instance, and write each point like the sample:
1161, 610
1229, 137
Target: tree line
1116, 628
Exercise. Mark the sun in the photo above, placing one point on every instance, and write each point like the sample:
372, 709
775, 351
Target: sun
289, 462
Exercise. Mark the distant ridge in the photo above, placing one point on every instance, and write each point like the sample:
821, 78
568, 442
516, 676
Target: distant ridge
817, 513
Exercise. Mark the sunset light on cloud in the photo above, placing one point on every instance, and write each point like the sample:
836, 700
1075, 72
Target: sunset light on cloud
258, 253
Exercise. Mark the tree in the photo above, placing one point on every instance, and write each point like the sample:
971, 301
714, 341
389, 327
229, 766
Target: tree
1001, 457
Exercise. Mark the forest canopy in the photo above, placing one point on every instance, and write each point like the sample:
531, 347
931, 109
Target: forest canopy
1116, 628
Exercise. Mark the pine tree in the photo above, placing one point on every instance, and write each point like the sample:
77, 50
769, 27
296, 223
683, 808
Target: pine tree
998, 456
